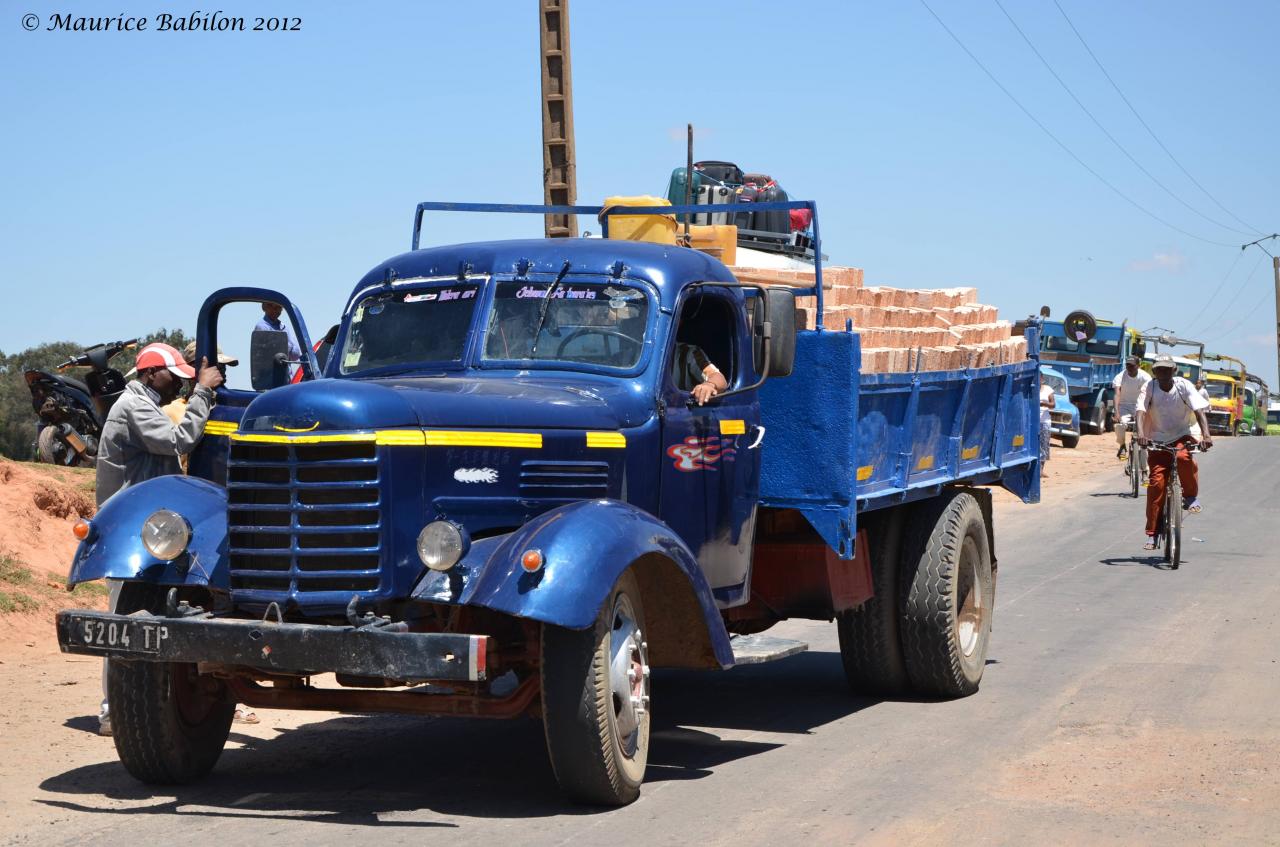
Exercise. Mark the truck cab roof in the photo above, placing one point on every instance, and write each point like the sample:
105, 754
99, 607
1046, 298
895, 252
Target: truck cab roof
666, 267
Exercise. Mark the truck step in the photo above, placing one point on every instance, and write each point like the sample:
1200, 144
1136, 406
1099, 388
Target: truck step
756, 649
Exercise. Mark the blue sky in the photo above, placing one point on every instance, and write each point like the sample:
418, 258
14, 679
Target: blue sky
177, 163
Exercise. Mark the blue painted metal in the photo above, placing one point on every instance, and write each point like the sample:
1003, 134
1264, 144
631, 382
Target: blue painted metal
586, 546
115, 549
1063, 404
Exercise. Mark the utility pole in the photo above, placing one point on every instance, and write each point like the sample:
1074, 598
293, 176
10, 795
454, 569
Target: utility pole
1275, 269
559, 161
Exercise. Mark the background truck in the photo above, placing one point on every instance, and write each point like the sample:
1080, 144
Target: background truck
1226, 387
1089, 353
499, 500
1064, 418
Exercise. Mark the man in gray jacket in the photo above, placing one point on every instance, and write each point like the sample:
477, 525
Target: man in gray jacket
138, 441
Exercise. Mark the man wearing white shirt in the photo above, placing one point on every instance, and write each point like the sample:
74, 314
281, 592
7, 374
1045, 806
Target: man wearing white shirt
1168, 407
1128, 384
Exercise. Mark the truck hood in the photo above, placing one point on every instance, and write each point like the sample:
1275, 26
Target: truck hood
491, 403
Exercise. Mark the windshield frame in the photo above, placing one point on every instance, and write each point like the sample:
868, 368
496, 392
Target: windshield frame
481, 332
334, 365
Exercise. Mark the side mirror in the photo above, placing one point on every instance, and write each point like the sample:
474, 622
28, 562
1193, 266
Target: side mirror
268, 359
779, 324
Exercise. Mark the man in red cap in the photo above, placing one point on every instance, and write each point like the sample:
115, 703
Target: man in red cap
139, 442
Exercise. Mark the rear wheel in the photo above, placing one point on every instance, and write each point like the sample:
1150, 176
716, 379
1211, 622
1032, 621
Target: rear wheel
870, 645
595, 701
948, 586
1134, 469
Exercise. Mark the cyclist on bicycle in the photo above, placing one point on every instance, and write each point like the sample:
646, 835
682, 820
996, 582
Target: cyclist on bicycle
1168, 407
1128, 384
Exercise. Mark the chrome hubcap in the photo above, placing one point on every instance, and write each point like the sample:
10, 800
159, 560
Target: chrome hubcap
628, 675
969, 601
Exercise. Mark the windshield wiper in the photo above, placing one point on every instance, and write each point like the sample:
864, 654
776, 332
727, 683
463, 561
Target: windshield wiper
546, 305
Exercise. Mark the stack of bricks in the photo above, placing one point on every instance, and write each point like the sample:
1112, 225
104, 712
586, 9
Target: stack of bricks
902, 329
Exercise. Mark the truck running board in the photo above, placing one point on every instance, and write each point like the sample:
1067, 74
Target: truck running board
757, 649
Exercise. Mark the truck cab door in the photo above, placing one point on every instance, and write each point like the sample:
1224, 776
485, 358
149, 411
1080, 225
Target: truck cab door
710, 459
230, 321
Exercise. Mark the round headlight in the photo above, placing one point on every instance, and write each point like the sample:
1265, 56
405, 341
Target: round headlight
166, 534
441, 544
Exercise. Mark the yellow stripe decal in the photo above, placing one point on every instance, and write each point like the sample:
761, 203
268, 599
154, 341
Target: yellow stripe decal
969, 453
463, 438
408, 438
311, 428
220, 427
606, 439
733, 427
1018, 441
864, 472
925, 463
327, 438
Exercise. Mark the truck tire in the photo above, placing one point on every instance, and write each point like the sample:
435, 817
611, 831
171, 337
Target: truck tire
870, 646
595, 701
168, 722
948, 595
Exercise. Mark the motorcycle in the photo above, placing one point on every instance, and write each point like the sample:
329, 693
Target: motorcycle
73, 411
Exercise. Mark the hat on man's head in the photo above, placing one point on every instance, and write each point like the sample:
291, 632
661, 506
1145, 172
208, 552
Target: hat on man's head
1132, 360
161, 355
1163, 362
189, 353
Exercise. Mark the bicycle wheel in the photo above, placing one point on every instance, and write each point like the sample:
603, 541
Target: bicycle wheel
1175, 525
1133, 470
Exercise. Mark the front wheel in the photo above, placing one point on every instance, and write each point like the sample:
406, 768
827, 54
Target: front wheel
595, 701
1070, 441
169, 722
948, 588
1173, 553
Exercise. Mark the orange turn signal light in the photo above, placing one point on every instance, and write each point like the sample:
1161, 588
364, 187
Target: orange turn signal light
531, 561
81, 529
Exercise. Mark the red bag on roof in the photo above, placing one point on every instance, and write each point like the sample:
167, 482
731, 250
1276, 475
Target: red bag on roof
801, 219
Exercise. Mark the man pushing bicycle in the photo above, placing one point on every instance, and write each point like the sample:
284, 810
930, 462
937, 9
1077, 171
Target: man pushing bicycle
1168, 407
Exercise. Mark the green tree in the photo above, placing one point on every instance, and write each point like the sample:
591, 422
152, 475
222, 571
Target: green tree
17, 416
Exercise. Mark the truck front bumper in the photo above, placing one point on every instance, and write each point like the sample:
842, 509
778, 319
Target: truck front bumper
287, 648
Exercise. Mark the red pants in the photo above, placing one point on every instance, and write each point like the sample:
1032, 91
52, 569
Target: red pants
1160, 463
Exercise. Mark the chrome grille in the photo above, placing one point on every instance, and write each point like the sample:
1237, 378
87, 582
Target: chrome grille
303, 518
564, 480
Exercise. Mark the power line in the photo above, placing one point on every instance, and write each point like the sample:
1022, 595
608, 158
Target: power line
1057, 141
1147, 127
1234, 326
1103, 129
1234, 298
1214, 295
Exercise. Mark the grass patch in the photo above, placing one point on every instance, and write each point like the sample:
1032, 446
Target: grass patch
16, 601
91, 589
13, 572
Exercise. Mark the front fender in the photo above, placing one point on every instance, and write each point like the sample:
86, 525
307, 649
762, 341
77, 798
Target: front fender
115, 550
585, 547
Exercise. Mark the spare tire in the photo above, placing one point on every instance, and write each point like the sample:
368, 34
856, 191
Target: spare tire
1080, 325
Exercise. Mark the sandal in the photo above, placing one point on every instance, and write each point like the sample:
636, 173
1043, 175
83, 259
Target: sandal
1150, 545
1194, 507
244, 715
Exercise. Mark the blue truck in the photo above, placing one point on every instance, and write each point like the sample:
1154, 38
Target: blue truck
1064, 418
1089, 353
498, 498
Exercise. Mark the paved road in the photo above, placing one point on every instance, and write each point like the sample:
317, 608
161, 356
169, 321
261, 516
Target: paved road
1124, 703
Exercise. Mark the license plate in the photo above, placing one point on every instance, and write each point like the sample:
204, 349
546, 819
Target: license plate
119, 636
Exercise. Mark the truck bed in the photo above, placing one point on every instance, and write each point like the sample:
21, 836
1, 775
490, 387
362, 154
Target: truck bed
839, 442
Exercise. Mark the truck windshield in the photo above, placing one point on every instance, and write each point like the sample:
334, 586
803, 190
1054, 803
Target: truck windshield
1103, 347
1060, 344
1218, 390
586, 323
1057, 383
421, 324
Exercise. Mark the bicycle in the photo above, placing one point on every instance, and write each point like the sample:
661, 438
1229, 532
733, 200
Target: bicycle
1135, 465
1169, 524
